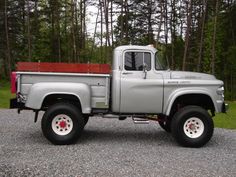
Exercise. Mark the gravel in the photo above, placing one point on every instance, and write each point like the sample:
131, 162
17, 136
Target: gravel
110, 147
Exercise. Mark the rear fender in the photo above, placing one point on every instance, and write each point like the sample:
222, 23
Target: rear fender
40, 91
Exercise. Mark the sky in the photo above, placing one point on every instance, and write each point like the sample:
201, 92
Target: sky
91, 22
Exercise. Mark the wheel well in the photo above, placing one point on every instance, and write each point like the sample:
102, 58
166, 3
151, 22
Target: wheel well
55, 98
201, 100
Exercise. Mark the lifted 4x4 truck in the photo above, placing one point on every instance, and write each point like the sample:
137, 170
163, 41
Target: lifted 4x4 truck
138, 87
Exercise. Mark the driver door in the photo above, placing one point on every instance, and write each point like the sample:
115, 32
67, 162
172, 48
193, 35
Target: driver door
140, 93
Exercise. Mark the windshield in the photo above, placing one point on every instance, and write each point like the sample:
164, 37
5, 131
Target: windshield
160, 63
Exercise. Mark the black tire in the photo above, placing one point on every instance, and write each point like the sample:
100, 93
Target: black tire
62, 133
165, 125
192, 126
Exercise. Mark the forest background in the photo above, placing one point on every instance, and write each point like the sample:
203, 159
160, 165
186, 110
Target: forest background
193, 35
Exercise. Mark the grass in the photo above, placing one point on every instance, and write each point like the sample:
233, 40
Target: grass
220, 120
5, 94
228, 120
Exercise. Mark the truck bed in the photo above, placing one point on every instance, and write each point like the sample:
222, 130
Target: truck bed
98, 83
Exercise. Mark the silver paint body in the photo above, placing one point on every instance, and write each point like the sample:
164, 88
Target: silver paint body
130, 92
91, 89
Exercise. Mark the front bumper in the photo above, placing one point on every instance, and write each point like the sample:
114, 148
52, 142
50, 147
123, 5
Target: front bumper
225, 107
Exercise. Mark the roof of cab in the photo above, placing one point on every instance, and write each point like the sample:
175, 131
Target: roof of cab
136, 47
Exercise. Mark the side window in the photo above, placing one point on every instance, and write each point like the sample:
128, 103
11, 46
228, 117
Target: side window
134, 61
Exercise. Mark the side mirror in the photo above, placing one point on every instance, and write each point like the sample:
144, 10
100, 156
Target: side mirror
145, 67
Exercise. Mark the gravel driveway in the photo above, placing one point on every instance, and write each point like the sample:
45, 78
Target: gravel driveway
110, 148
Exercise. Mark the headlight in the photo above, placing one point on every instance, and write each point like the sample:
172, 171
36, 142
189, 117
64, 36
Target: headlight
220, 91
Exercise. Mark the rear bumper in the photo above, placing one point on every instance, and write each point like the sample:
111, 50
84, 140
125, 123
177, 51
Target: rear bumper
14, 104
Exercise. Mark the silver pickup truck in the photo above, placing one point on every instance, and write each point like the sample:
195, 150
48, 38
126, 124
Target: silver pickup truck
138, 87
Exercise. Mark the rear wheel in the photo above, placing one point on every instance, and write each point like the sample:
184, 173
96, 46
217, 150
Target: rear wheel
62, 123
192, 126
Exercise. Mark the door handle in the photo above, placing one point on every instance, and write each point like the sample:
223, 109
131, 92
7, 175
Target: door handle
126, 73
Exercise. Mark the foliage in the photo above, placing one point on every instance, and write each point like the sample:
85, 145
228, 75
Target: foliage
56, 31
206, 64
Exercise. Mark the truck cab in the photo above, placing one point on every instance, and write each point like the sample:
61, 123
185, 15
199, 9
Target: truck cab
138, 76
137, 80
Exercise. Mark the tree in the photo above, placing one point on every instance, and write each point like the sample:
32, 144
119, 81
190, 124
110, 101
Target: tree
203, 21
189, 19
8, 54
214, 38
191, 35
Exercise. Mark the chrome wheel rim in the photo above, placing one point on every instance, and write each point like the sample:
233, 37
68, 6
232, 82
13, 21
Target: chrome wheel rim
193, 127
62, 124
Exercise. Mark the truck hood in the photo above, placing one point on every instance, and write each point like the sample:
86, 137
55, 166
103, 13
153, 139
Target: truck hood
191, 75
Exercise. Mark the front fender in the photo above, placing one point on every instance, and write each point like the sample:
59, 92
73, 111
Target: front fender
40, 91
184, 91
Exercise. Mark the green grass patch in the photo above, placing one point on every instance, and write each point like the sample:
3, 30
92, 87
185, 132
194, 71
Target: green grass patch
5, 94
228, 120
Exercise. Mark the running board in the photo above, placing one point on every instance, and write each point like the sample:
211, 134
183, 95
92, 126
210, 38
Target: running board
140, 120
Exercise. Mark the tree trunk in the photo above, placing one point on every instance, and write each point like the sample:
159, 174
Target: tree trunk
189, 21
202, 35
126, 27
74, 53
106, 7
78, 32
181, 20
173, 26
28, 31
213, 51
67, 38
95, 31
111, 14
122, 22
166, 30
101, 39
8, 55
84, 24
80, 44
58, 35
166, 23
24, 41
160, 22
149, 16
106, 14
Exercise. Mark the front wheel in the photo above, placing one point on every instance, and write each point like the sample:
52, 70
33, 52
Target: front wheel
62, 123
192, 126
86, 119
